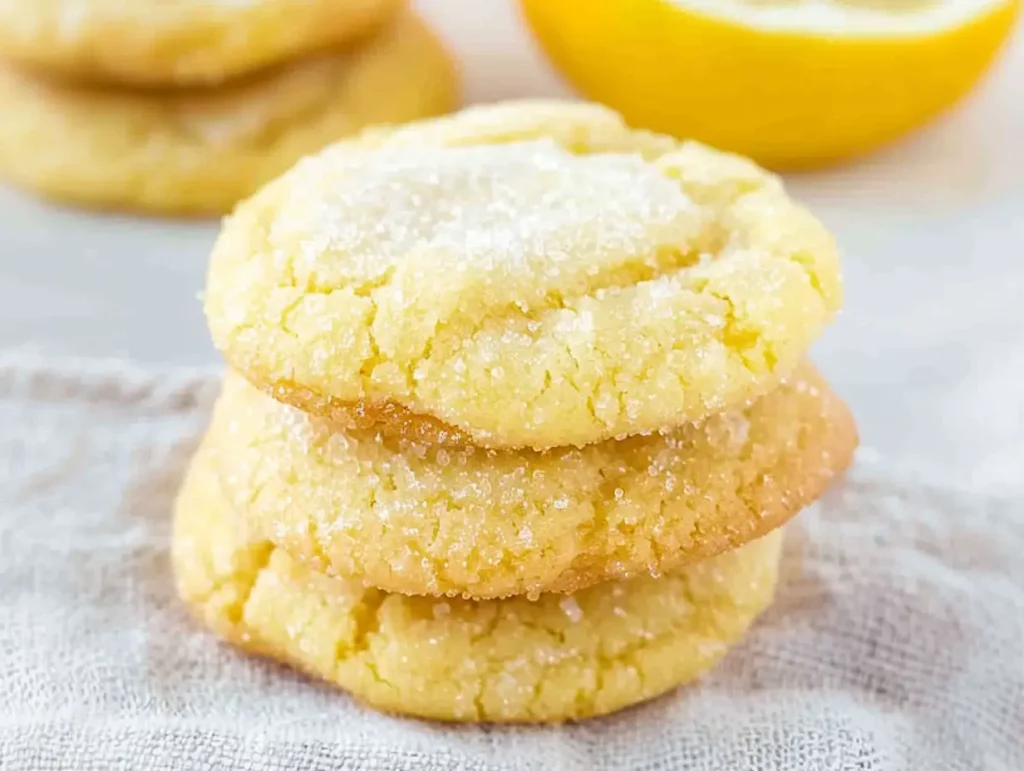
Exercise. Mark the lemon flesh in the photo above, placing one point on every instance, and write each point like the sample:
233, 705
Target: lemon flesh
791, 83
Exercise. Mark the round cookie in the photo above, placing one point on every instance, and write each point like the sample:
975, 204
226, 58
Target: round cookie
200, 151
177, 42
524, 275
421, 519
560, 657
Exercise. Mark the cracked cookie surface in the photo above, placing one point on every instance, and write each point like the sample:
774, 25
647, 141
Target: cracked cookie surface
522, 275
176, 42
199, 150
422, 519
515, 660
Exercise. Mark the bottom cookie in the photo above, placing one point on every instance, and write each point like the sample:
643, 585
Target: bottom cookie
558, 658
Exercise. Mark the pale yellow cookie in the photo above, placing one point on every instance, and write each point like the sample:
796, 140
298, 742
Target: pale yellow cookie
527, 275
422, 519
164, 42
200, 151
561, 657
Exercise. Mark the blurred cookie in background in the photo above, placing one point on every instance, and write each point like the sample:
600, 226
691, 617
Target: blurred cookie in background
177, 42
201, 150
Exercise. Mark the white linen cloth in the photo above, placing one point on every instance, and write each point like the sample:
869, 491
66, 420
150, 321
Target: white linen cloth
897, 641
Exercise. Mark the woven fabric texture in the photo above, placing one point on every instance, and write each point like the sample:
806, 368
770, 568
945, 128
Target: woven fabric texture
897, 641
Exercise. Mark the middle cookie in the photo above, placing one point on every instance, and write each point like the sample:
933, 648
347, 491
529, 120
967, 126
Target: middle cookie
423, 519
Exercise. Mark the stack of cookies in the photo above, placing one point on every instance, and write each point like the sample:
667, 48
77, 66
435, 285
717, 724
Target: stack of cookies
517, 404
192, 105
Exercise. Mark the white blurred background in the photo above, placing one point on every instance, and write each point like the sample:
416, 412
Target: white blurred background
929, 351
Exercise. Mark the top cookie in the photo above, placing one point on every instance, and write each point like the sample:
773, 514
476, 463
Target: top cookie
531, 274
151, 42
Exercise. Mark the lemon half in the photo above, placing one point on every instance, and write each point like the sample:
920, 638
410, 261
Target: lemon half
791, 83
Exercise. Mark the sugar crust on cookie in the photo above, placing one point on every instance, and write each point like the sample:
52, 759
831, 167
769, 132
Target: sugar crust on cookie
516, 660
527, 275
422, 519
